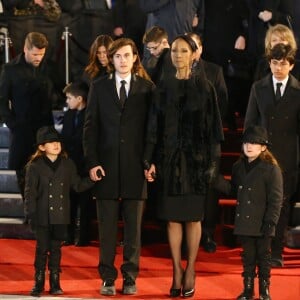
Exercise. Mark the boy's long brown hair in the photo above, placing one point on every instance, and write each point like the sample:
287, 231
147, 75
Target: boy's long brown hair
138, 68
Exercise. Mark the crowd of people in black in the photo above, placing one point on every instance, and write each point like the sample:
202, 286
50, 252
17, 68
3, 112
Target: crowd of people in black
153, 85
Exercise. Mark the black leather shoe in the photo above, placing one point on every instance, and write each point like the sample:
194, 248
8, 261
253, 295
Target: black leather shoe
108, 288
208, 243
81, 243
129, 287
277, 262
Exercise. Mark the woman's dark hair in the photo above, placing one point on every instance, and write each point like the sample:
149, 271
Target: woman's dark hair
94, 65
189, 41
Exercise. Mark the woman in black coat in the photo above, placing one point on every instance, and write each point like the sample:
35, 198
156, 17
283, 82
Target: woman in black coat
183, 148
258, 185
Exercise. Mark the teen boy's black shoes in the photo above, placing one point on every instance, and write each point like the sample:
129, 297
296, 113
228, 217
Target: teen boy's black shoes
108, 288
129, 287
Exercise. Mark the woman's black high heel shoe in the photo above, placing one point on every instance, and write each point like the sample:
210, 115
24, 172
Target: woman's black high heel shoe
176, 292
186, 293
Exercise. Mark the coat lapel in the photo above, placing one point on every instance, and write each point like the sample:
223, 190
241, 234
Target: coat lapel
113, 90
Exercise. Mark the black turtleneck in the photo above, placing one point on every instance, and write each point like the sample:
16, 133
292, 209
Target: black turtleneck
52, 164
250, 165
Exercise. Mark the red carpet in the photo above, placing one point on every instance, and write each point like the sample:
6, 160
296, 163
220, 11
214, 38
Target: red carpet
218, 274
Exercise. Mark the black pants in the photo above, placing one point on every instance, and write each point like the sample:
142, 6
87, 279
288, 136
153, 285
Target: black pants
108, 216
278, 241
80, 212
256, 253
48, 247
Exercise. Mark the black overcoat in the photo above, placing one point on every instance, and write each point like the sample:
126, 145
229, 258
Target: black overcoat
282, 121
259, 196
25, 106
114, 137
47, 191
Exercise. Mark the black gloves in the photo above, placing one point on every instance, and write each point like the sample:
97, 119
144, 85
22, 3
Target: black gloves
213, 168
211, 172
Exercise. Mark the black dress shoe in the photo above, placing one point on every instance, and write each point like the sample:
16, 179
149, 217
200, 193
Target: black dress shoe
208, 244
81, 243
277, 263
108, 288
129, 286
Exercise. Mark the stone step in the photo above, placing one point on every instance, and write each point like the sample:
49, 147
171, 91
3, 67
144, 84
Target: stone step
11, 205
8, 182
3, 158
15, 228
4, 136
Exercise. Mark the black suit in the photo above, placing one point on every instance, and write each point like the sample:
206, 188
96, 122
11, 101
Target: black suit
114, 138
282, 121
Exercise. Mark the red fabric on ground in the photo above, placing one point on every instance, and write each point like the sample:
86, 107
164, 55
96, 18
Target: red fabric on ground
218, 274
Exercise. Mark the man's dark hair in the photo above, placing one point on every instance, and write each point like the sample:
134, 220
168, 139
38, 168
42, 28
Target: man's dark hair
282, 52
36, 39
155, 34
77, 89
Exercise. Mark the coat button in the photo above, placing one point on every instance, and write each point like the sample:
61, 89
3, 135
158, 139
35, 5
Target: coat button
249, 189
60, 208
50, 196
51, 207
247, 217
50, 183
248, 202
61, 183
61, 196
240, 187
237, 215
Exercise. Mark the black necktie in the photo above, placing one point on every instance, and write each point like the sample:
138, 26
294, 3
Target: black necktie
123, 95
278, 92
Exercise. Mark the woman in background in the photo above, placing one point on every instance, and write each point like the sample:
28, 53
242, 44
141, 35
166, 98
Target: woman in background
98, 61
